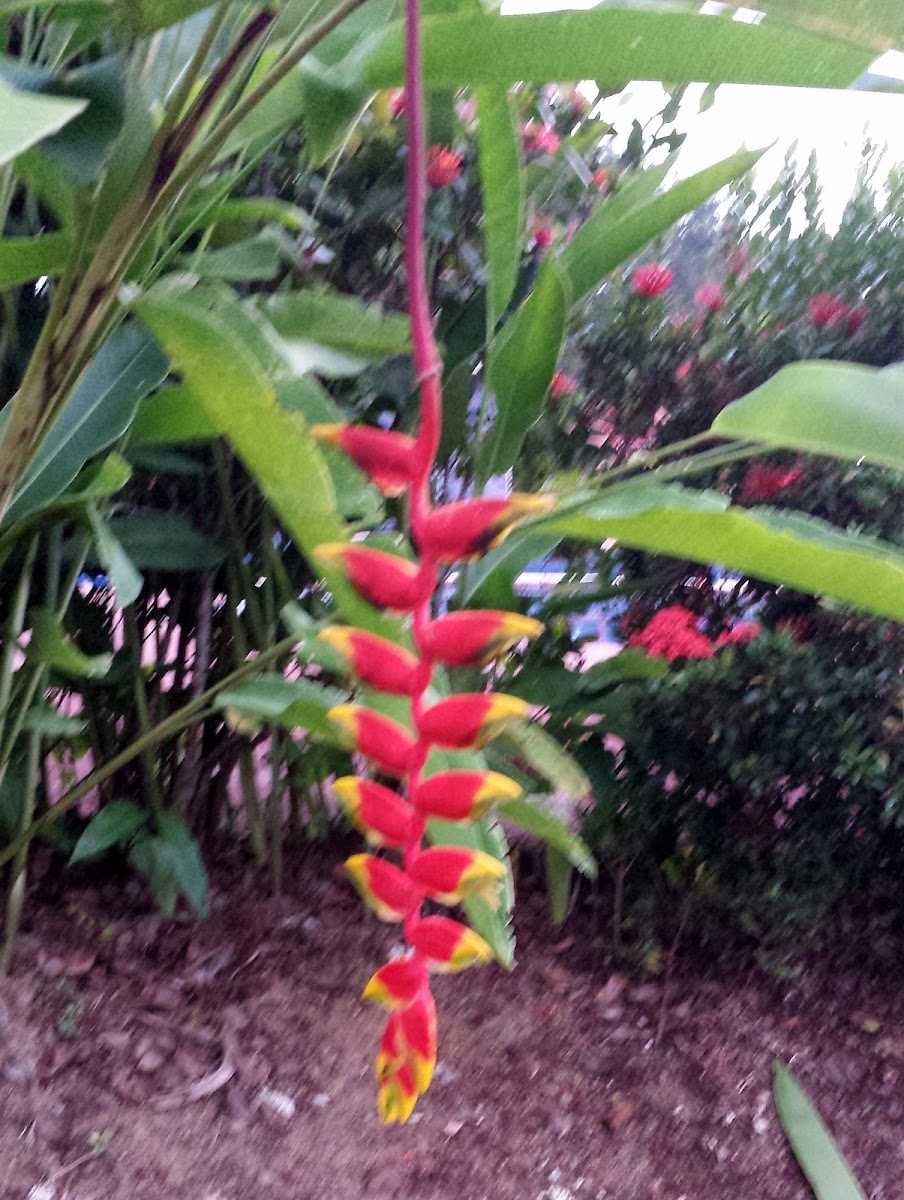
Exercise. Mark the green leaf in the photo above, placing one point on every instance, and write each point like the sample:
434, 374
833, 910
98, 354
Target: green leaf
491, 581
50, 723
522, 363
124, 579
494, 925
820, 1159
292, 703
558, 883
613, 47
170, 416
836, 408
23, 259
242, 262
870, 23
343, 323
172, 864
537, 820
788, 548
274, 445
50, 646
28, 118
609, 237
261, 208
503, 197
115, 824
547, 758
632, 663
127, 367
166, 542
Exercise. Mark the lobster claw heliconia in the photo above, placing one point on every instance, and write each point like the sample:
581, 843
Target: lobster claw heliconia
390, 459
397, 820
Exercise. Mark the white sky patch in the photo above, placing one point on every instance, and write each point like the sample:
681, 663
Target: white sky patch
834, 124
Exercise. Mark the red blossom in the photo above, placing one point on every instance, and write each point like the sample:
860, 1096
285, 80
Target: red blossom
443, 166
651, 280
856, 318
827, 308
600, 180
396, 98
742, 632
543, 234
563, 384
672, 633
684, 369
710, 296
765, 481
538, 139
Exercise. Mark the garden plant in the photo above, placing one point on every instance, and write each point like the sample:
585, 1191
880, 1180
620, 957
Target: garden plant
246, 249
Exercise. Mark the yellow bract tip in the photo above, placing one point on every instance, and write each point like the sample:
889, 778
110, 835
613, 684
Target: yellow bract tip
338, 637
498, 788
331, 554
331, 433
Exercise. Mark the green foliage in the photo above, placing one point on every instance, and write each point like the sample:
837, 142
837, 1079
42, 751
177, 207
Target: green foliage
820, 1159
115, 825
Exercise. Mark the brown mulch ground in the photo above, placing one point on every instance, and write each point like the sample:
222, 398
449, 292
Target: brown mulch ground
231, 1059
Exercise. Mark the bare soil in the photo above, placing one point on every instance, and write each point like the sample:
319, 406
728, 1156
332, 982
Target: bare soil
144, 1059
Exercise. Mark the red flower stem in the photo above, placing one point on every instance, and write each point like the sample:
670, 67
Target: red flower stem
428, 370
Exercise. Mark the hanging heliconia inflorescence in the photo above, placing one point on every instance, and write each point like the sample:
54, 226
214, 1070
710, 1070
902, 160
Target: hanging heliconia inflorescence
397, 820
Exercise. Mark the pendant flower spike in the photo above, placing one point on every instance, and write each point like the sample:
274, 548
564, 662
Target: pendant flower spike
394, 819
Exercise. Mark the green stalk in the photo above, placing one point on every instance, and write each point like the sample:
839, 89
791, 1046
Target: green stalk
14, 626
139, 693
18, 874
183, 717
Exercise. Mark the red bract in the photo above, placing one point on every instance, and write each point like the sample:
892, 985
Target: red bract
672, 633
651, 281
474, 637
470, 720
765, 481
468, 528
443, 166
382, 579
711, 296
827, 309
387, 457
385, 742
374, 660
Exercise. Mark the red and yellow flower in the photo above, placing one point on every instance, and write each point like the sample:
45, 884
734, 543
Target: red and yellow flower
463, 795
385, 742
374, 660
450, 874
381, 815
447, 945
384, 887
470, 638
383, 580
390, 459
470, 720
469, 528
397, 820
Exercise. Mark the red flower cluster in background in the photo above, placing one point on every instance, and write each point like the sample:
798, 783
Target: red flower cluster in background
538, 139
829, 309
763, 482
562, 385
672, 633
711, 297
651, 280
443, 166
